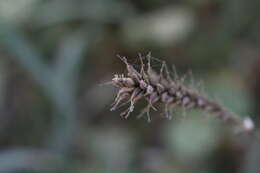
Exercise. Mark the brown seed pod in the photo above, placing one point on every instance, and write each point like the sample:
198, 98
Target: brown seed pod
160, 87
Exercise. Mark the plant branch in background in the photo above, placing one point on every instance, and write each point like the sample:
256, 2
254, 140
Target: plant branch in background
59, 88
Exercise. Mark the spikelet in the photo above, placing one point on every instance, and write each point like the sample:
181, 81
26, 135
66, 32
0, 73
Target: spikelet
160, 87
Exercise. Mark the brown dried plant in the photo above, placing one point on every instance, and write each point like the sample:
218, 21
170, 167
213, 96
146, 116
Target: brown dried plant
160, 87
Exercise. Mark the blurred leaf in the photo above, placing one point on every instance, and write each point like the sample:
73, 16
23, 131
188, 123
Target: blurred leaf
228, 90
161, 28
192, 138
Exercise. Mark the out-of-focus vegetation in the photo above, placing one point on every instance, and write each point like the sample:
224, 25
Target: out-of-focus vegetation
54, 114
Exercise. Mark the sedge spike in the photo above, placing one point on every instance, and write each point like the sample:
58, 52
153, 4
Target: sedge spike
155, 87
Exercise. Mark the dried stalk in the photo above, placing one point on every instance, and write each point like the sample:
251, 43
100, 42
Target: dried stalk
160, 87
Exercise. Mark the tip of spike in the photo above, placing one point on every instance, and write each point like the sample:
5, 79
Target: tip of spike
248, 124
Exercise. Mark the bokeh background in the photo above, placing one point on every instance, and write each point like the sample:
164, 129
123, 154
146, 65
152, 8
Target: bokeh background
55, 114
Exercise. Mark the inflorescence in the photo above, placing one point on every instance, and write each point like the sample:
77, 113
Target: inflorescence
155, 87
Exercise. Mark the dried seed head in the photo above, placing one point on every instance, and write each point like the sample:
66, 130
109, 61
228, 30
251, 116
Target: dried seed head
155, 87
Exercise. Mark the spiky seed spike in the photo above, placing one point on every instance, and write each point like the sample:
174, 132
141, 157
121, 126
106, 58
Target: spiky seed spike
171, 93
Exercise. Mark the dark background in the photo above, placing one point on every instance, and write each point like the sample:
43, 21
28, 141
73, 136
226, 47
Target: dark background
55, 114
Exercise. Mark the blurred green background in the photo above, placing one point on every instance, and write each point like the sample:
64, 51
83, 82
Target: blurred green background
54, 114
